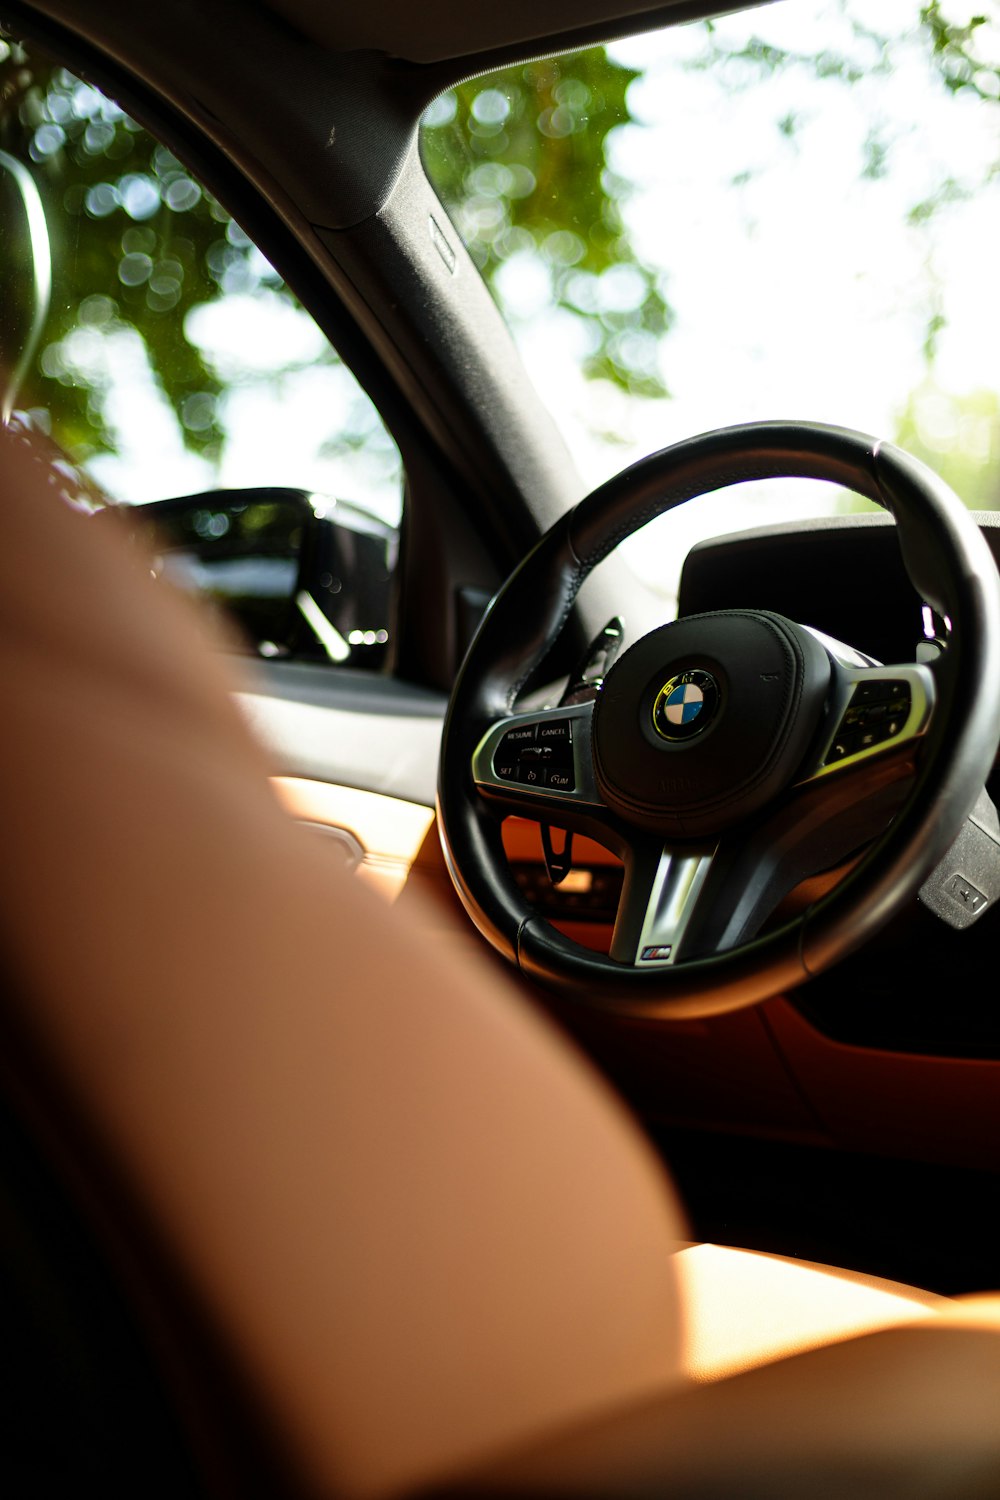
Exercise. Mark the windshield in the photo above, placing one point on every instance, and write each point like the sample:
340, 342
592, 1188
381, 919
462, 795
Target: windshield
790, 213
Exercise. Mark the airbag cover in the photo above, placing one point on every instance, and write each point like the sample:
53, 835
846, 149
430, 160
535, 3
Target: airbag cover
705, 720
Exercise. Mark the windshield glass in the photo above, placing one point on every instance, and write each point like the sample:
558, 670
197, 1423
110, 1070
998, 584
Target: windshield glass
789, 213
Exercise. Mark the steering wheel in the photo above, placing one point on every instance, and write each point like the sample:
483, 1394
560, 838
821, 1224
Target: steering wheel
726, 755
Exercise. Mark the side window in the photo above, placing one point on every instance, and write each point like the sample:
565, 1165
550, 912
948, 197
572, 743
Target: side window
174, 362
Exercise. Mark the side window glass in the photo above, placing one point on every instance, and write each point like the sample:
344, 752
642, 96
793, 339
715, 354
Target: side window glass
175, 362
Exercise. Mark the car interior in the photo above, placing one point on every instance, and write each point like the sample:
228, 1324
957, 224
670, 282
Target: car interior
477, 1021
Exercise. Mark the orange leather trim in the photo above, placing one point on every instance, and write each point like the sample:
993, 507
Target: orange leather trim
743, 1309
422, 1227
901, 1413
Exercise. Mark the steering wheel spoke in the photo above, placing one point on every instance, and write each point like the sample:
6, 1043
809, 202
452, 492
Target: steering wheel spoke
540, 764
872, 710
659, 900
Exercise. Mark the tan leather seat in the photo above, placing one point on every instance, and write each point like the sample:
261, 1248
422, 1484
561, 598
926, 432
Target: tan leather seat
426, 1230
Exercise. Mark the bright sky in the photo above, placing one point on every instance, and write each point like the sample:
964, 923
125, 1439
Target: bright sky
277, 426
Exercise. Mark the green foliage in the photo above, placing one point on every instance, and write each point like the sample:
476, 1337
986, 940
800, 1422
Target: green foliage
137, 244
756, 59
956, 50
959, 437
520, 161
520, 158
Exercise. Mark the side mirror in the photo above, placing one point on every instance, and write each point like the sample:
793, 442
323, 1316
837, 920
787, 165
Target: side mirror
25, 277
301, 576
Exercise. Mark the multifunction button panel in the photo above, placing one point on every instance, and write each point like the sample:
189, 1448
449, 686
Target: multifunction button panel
877, 712
537, 755
546, 754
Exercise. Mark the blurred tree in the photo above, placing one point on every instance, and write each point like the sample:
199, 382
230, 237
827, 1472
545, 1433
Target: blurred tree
961, 49
137, 244
959, 437
521, 159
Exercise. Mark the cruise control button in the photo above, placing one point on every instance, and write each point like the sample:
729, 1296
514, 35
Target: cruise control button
560, 780
843, 745
510, 749
531, 775
516, 738
555, 732
890, 729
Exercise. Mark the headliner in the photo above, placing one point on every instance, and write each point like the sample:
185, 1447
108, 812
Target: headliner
440, 30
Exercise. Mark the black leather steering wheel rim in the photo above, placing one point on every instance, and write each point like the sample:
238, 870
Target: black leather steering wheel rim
949, 564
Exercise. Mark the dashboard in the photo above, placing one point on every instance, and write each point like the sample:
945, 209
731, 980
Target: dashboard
841, 574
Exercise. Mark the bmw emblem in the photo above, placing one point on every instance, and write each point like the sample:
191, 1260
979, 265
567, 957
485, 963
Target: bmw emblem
686, 705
